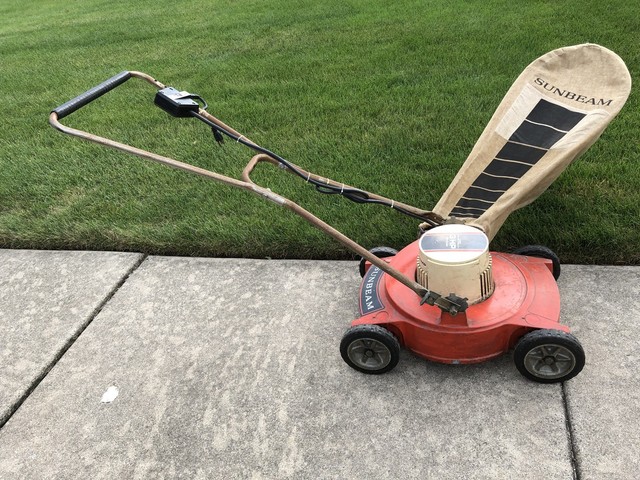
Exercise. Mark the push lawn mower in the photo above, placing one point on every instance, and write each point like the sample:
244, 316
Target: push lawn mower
445, 296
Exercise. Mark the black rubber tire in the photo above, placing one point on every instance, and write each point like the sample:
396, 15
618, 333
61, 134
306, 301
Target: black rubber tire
370, 342
545, 347
380, 252
541, 251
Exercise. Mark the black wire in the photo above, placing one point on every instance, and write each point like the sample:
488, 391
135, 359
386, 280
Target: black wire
353, 194
198, 97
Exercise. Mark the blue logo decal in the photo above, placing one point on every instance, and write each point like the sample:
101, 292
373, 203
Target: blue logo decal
369, 299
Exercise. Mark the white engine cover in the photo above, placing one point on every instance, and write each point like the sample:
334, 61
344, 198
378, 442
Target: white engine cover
455, 259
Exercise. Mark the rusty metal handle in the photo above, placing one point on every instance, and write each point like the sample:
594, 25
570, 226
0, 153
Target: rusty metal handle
245, 183
332, 232
253, 163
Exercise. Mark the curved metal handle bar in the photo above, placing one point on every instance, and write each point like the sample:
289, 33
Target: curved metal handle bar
426, 214
332, 232
245, 184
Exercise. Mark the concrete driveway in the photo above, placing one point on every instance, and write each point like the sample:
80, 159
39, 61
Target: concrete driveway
229, 368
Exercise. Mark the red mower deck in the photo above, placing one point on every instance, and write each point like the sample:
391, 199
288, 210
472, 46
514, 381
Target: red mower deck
526, 298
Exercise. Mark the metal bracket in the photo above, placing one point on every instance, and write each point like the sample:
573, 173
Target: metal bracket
452, 304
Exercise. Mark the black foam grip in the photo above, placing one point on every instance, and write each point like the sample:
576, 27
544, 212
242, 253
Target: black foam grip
90, 95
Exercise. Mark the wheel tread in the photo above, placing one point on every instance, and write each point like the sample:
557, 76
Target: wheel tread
540, 251
376, 332
536, 338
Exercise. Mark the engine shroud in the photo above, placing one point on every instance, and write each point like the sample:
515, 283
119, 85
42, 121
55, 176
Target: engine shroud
456, 259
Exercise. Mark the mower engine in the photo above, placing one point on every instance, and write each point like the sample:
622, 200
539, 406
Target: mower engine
456, 258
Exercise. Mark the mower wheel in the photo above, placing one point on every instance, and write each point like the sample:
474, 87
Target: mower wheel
380, 252
549, 356
370, 349
540, 251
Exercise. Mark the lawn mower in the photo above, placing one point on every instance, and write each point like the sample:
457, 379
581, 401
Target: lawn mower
447, 297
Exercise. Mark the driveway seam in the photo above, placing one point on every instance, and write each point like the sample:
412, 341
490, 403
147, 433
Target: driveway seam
36, 382
571, 437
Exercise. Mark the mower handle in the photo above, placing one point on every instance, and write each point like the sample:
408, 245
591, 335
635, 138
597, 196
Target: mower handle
245, 184
90, 95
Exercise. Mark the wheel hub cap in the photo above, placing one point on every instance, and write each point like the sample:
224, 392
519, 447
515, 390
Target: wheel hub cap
549, 361
369, 354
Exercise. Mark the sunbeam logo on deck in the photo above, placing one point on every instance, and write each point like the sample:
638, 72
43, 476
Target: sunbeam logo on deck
369, 298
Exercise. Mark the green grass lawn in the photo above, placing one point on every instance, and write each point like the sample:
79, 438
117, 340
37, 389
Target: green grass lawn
386, 96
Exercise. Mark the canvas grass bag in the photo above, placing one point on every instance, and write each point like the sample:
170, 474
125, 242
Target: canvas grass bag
555, 110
